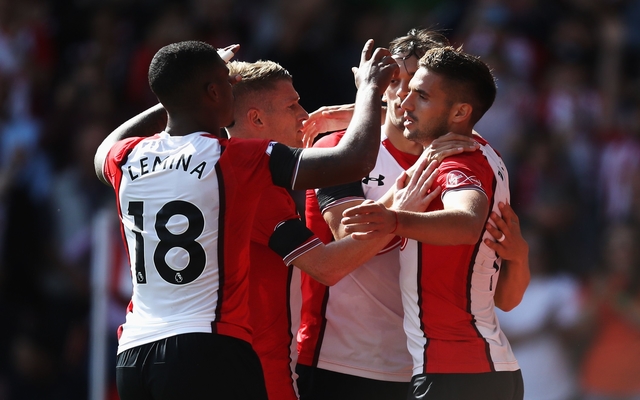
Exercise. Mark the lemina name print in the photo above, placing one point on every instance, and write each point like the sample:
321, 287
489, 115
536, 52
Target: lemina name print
177, 162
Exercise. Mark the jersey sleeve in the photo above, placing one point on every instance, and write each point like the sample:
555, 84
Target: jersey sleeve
291, 239
466, 171
284, 164
116, 156
335, 195
280, 227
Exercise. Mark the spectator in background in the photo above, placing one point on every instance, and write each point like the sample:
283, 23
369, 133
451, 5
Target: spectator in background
540, 329
610, 369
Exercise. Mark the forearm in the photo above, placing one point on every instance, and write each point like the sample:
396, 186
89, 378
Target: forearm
330, 263
147, 123
356, 153
513, 282
440, 228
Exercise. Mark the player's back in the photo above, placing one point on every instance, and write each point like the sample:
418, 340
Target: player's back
181, 200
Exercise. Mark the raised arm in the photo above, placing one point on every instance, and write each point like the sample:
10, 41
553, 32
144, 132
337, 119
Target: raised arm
514, 251
147, 123
356, 153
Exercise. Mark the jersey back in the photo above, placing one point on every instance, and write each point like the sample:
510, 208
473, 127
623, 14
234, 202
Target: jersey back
186, 204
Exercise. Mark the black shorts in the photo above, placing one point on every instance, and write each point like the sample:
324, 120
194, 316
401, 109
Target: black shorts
191, 366
503, 385
320, 384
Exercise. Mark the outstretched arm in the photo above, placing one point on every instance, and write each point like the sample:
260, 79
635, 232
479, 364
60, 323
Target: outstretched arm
356, 153
514, 251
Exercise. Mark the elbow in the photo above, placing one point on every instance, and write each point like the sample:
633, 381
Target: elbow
506, 307
326, 279
508, 304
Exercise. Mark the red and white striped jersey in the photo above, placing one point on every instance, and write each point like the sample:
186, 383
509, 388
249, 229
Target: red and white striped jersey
355, 326
187, 205
447, 291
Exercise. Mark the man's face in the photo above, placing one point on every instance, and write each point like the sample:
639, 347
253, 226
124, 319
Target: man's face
283, 115
398, 90
426, 108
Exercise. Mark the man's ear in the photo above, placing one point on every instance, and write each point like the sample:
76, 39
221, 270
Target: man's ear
254, 117
461, 112
212, 91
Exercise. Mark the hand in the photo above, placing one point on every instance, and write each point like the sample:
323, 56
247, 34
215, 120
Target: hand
369, 220
513, 247
326, 119
377, 68
415, 196
449, 145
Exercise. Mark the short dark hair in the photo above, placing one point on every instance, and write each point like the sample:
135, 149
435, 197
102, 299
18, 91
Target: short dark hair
176, 65
257, 76
468, 78
417, 42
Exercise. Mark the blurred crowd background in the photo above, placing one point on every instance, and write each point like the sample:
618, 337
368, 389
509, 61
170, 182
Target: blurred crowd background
566, 120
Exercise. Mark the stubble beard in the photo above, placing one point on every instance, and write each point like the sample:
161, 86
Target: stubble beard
426, 135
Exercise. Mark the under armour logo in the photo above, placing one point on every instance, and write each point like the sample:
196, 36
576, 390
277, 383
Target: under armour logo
379, 179
178, 277
140, 276
500, 175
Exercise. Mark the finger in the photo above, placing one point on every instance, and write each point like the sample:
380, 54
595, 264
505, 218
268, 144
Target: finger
367, 50
361, 227
400, 180
355, 75
358, 220
365, 235
495, 232
428, 184
428, 176
418, 173
508, 213
364, 208
433, 195
495, 246
500, 223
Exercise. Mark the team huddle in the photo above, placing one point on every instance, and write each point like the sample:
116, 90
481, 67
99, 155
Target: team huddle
386, 290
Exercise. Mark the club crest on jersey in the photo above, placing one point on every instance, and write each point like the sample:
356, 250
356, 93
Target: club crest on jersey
458, 178
270, 147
